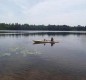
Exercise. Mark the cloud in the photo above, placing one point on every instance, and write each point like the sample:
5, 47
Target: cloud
58, 12
70, 12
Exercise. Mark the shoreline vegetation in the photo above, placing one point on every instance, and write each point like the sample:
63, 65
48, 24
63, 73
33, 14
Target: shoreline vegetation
16, 26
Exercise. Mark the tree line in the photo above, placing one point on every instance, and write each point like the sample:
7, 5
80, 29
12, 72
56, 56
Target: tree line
16, 26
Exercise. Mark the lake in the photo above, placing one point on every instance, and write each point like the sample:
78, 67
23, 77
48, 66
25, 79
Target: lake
21, 59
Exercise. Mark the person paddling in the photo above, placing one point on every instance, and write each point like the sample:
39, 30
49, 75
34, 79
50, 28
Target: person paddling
52, 39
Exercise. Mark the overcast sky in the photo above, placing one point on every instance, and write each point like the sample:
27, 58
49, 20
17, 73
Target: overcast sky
59, 12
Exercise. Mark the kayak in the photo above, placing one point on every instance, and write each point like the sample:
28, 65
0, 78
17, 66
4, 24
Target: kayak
47, 41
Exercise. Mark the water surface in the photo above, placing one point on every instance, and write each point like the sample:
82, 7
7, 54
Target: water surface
20, 59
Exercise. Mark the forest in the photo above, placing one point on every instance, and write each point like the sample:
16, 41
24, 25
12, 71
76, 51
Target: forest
16, 26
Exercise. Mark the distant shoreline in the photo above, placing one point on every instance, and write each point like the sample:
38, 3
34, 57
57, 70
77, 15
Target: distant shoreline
17, 26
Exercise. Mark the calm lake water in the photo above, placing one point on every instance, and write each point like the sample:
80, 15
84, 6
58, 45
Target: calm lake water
65, 60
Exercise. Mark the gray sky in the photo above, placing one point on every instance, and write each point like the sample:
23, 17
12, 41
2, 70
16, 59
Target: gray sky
59, 12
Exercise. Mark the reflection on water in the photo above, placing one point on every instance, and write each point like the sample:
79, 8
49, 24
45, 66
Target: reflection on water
41, 33
45, 43
20, 59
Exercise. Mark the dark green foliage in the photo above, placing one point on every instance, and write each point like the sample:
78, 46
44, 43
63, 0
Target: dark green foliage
17, 26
